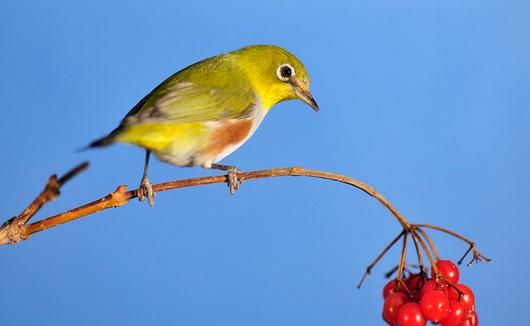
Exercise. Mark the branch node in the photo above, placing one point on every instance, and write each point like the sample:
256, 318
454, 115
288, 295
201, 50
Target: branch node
52, 188
121, 189
119, 196
13, 231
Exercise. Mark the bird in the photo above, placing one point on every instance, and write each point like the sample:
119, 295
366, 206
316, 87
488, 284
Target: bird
204, 112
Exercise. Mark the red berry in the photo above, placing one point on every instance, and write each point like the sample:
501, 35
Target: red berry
448, 269
390, 287
473, 319
415, 295
467, 299
456, 316
430, 285
410, 315
414, 281
435, 305
384, 318
470, 320
393, 303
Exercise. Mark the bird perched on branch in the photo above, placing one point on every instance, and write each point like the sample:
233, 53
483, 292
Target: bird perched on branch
206, 111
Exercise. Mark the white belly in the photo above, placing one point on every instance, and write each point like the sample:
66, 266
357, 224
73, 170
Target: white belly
224, 138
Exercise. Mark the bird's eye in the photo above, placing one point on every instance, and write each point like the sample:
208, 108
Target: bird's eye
285, 72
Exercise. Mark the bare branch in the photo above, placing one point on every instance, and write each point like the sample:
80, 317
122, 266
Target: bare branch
387, 248
13, 230
16, 229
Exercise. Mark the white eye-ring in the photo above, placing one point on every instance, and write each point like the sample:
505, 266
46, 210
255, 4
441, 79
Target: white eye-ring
285, 72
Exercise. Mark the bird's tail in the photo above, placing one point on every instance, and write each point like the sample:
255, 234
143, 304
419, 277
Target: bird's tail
104, 141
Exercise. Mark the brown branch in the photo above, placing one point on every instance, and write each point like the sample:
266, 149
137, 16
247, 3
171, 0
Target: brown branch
418, 254
120, 197
430, 242
403, 257
416, 232
13, 230
427, 252
372, 265
16, 229
477, 257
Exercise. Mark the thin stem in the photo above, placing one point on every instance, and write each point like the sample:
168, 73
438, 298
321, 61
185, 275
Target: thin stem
418, 252
73, 172
426, 250
392, 271
13, 230
477, 256
387, 248
49, 193
403, 257
430, 242
465, 254
406, 268
451, 284
454, 234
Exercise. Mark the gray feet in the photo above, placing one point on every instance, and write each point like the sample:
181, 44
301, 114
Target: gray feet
231, 178
146, 190
232, 181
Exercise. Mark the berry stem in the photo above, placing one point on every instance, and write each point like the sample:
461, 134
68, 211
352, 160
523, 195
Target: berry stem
418, 252
439, 228
451, 284
426, 250
430, 242
390, 245
403, 256
477, 257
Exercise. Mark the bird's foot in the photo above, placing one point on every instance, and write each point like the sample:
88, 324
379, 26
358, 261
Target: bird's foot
232, 180
146, 190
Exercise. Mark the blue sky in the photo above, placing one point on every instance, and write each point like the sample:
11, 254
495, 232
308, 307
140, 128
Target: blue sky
425, 100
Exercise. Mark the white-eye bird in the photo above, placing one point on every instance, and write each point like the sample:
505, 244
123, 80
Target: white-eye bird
206, 111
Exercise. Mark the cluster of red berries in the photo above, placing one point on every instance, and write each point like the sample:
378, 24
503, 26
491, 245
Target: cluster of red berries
418, 299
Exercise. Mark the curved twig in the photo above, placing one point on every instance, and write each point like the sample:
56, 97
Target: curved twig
14, 229
120, 197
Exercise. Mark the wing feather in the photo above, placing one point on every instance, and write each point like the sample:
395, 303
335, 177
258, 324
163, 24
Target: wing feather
202, 92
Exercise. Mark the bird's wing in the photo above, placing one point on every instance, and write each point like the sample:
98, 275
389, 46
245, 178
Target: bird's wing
184, 101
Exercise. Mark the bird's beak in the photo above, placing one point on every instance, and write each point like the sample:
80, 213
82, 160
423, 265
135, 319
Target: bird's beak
305, 96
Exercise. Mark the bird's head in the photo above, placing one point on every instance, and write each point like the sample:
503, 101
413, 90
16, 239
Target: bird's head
276, 74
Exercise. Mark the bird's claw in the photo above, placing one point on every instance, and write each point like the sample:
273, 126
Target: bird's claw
146, 190
232, 180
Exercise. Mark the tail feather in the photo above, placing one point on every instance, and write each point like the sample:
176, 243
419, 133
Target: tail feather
104, 141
